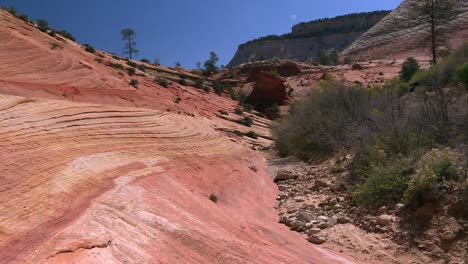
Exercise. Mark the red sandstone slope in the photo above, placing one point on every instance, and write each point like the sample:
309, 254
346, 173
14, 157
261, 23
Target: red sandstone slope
96, 183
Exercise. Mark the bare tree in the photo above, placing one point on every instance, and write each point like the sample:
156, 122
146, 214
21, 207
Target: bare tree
436, 14
128, 35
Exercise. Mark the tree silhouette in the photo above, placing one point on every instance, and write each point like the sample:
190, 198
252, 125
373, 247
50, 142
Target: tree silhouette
436, 14
128, 35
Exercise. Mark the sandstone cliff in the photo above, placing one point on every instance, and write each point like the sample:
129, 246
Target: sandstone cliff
399, 36
307, 39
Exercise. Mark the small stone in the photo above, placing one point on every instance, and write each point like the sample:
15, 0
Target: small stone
338, 206
399, 208
316, 239
323, 225
282, 187
283, 175
305, 217
384, 220
299, 199
342, 220
314, 231
332, 201
320, 183
382, 210
323, 218
296, 225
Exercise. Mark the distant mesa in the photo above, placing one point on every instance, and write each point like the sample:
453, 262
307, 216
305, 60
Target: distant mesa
306, 40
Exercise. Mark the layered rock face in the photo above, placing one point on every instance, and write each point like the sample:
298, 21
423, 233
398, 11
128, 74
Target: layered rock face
102, 184
307, 39
399, 36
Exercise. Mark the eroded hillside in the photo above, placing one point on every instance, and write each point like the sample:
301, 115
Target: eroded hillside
95, 170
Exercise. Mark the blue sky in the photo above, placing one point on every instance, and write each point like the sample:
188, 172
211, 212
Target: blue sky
185, 30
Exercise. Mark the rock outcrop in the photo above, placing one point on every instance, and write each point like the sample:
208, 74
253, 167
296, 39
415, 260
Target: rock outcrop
399, 35
307, 39
269, 89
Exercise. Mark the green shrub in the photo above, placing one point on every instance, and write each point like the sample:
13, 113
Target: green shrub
206, 89
89, 48
213, 198
178, 100
238, 133
142, 67
145, 60
461, 74
238, 111
251, 134
247, 107
199, 83
323, 121
131, 71
115, 57
23, 17
132, 64
134, 83
43, 25
434, 167
246, 121
163, 82
66, 34
183, 80
12, 10
116, 66
408, 69
385, 184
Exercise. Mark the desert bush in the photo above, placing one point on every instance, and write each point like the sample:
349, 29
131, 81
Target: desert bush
408, 69
116, 66
385, 185
145, 60
213, 198
433, 169
89, 48
322, 122
23, 17
66, 34
132, 64
142, 67
183, 80
251, 134
163, 82
206, 89
272, 112
238, 111
131, 71
461, 74
238, 133
178, 100
219, 87
199, 83
42, 25
134, 83
223, 112
246, 121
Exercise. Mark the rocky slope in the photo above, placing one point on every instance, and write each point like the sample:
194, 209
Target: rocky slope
399, 36
95, 170
307, 39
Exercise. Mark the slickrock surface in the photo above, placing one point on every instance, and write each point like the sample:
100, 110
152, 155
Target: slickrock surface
100, 184
399, 36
